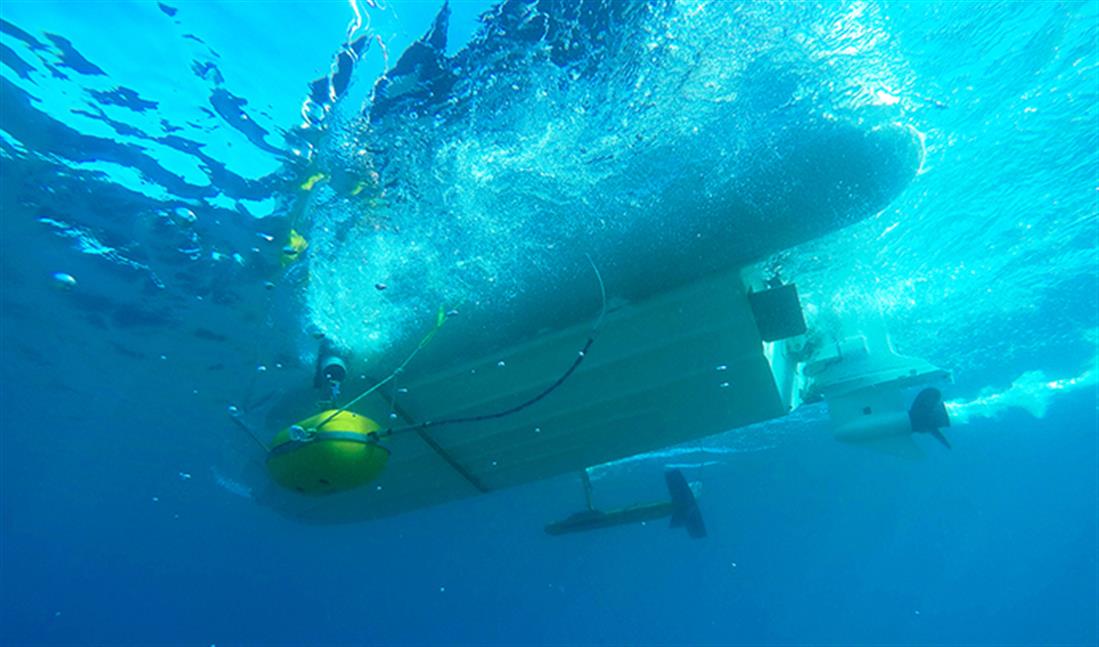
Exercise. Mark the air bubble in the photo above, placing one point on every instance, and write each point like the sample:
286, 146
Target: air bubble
185, 214
64, 281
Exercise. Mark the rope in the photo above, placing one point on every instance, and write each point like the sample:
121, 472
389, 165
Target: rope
439, 321
240, 423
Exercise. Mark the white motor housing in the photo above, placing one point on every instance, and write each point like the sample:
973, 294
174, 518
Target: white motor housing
871, 392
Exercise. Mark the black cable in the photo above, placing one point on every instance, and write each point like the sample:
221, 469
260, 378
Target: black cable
499, 414
550, 389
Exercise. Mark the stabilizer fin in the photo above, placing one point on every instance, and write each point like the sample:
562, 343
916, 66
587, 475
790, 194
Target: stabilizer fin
685, 510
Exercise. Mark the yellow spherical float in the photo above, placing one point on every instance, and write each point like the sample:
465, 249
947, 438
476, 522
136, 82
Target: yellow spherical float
332, 451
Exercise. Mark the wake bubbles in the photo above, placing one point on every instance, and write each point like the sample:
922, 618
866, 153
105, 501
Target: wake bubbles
1032, 391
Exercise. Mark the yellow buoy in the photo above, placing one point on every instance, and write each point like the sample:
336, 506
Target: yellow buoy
340, 454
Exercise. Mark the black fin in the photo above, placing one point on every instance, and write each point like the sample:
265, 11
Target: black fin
928, 415
685, 510
928, 411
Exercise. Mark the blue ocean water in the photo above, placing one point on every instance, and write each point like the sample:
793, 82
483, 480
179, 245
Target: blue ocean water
155, 157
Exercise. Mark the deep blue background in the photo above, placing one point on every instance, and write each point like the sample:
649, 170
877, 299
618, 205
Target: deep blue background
103, 541
809, 542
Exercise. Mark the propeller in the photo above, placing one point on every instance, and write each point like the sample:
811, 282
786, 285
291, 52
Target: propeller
928, 415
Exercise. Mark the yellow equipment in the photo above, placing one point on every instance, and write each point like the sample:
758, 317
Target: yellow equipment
332, 451
295, 245
311, 181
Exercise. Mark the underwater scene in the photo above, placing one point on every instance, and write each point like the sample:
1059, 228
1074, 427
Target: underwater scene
507, 322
